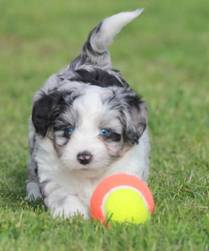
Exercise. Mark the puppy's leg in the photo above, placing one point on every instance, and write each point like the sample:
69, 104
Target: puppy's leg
32, 183
61, 203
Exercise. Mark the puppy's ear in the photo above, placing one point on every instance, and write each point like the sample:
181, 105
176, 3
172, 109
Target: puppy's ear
133, 115
137, 119
45, 111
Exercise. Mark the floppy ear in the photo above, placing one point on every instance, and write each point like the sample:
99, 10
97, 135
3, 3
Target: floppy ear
136, 117
45, 111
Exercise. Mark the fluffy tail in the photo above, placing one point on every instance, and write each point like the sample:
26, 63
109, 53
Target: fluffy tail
94, 51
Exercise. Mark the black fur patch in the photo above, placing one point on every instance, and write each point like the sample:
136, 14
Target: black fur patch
45, 111
132, 110
116, 137
48, 108
36, 170
134, 101
98, 77
137, 109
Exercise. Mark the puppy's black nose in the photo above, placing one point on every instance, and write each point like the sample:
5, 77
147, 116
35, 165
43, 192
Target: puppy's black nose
84, 157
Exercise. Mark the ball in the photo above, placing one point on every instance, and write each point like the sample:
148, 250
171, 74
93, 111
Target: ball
122, 198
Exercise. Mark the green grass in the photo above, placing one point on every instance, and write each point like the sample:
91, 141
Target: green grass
165, 56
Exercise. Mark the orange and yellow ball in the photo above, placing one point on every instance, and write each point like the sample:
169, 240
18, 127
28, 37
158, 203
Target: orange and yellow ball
122, 198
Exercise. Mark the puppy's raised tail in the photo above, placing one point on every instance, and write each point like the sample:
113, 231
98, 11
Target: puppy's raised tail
95, 49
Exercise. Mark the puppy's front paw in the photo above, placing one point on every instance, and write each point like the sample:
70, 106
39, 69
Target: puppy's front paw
67, 207
68, 212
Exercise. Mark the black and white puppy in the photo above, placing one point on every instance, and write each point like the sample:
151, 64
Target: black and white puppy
86, 124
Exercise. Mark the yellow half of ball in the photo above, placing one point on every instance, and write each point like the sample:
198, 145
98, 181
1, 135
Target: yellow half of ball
126, 205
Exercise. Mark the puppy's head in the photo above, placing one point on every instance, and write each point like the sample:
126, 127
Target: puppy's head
90, 127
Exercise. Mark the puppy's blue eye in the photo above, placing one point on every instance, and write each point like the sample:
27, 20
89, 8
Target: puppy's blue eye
69, 131
105, 132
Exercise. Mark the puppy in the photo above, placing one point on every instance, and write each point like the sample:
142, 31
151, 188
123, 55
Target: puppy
86, 124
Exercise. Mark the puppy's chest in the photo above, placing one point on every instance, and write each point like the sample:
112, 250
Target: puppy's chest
81, 187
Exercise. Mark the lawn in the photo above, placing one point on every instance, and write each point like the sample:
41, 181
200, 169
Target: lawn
165, 57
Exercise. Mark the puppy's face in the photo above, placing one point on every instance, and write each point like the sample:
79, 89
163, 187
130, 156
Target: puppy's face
90, 127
